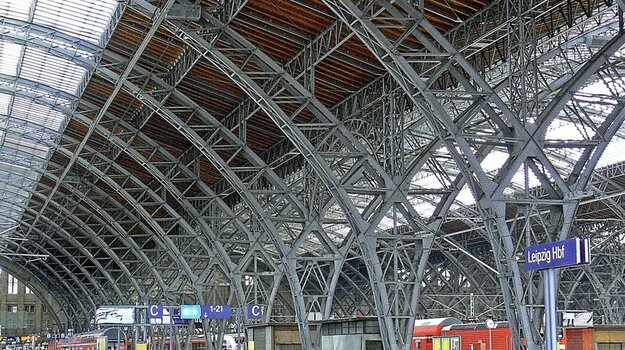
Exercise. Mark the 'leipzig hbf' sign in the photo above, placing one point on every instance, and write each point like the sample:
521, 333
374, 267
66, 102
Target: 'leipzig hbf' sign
573, 251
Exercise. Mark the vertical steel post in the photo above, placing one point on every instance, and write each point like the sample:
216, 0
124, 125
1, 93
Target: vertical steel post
550, 309
239, 327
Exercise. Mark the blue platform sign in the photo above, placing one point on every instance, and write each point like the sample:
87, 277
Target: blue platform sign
254, 312
573, 251
190, 312
216, 312
155, 312
176, 318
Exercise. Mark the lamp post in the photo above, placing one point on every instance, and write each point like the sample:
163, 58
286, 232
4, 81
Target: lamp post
490, 324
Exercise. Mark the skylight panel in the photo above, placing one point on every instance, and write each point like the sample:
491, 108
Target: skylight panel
21, 143
5, 100
86, 19
613, 153
16, 9
16, 193
21, 158
9, 58
37, 113
52, 71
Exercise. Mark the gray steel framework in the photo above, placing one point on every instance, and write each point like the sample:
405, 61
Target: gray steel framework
304, 227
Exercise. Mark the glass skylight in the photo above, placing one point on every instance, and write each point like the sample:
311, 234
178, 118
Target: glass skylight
51, 71
44, 85
16, 9
86, 19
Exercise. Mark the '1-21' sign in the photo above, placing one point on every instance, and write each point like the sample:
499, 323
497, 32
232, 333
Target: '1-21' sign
216, 311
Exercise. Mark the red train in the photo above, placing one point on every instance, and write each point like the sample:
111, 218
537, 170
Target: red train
454, 335
451, 334
103, 339
198, 342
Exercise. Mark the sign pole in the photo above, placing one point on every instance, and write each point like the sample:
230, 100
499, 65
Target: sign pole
239, 327
550, 309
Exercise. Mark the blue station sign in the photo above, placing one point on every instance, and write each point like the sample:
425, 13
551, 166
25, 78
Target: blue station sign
573, 251
155, 312
216, 312
190, 312
254, 312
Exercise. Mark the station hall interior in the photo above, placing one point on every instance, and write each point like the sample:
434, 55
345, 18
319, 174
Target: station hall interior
312, 174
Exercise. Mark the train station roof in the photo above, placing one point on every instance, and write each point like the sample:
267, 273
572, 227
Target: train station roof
252, 150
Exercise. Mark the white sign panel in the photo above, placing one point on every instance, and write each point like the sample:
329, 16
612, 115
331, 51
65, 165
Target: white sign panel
577, 319
115, 315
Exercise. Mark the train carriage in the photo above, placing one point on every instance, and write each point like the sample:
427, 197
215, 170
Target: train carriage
103, 339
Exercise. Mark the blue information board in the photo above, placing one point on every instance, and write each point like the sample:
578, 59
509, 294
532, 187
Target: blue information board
190, 312
557, 254
254, 312
175, 317
155, 311
216, 312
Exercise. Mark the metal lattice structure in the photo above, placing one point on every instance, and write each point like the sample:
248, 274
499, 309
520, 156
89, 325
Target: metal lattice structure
332, 158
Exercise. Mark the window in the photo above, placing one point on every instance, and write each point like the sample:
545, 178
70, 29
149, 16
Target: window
609, 346
29, 308
12, 285
27, 290
30, 324
12, 322
44, 309
11, 308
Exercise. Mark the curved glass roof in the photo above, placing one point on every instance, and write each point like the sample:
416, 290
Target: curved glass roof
37, 90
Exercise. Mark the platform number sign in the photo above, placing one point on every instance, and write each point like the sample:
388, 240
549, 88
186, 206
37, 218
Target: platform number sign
216, 312
155, 311
254, 312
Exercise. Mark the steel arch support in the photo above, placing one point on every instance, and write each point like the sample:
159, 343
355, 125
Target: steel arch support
295, 134
100, 243
228, 172
172, 249
226, 263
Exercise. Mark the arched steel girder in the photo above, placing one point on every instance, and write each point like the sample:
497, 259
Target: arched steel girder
72, 259
165, 178
226, 264
143, 161
230, 173
569, 295
177, 72
46, 102
145, 214
330, 131
69, 256
136, 133
173, 252
180, 220
112, 225
36, 285
405, 74
82, 226
62, 282
156, 21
